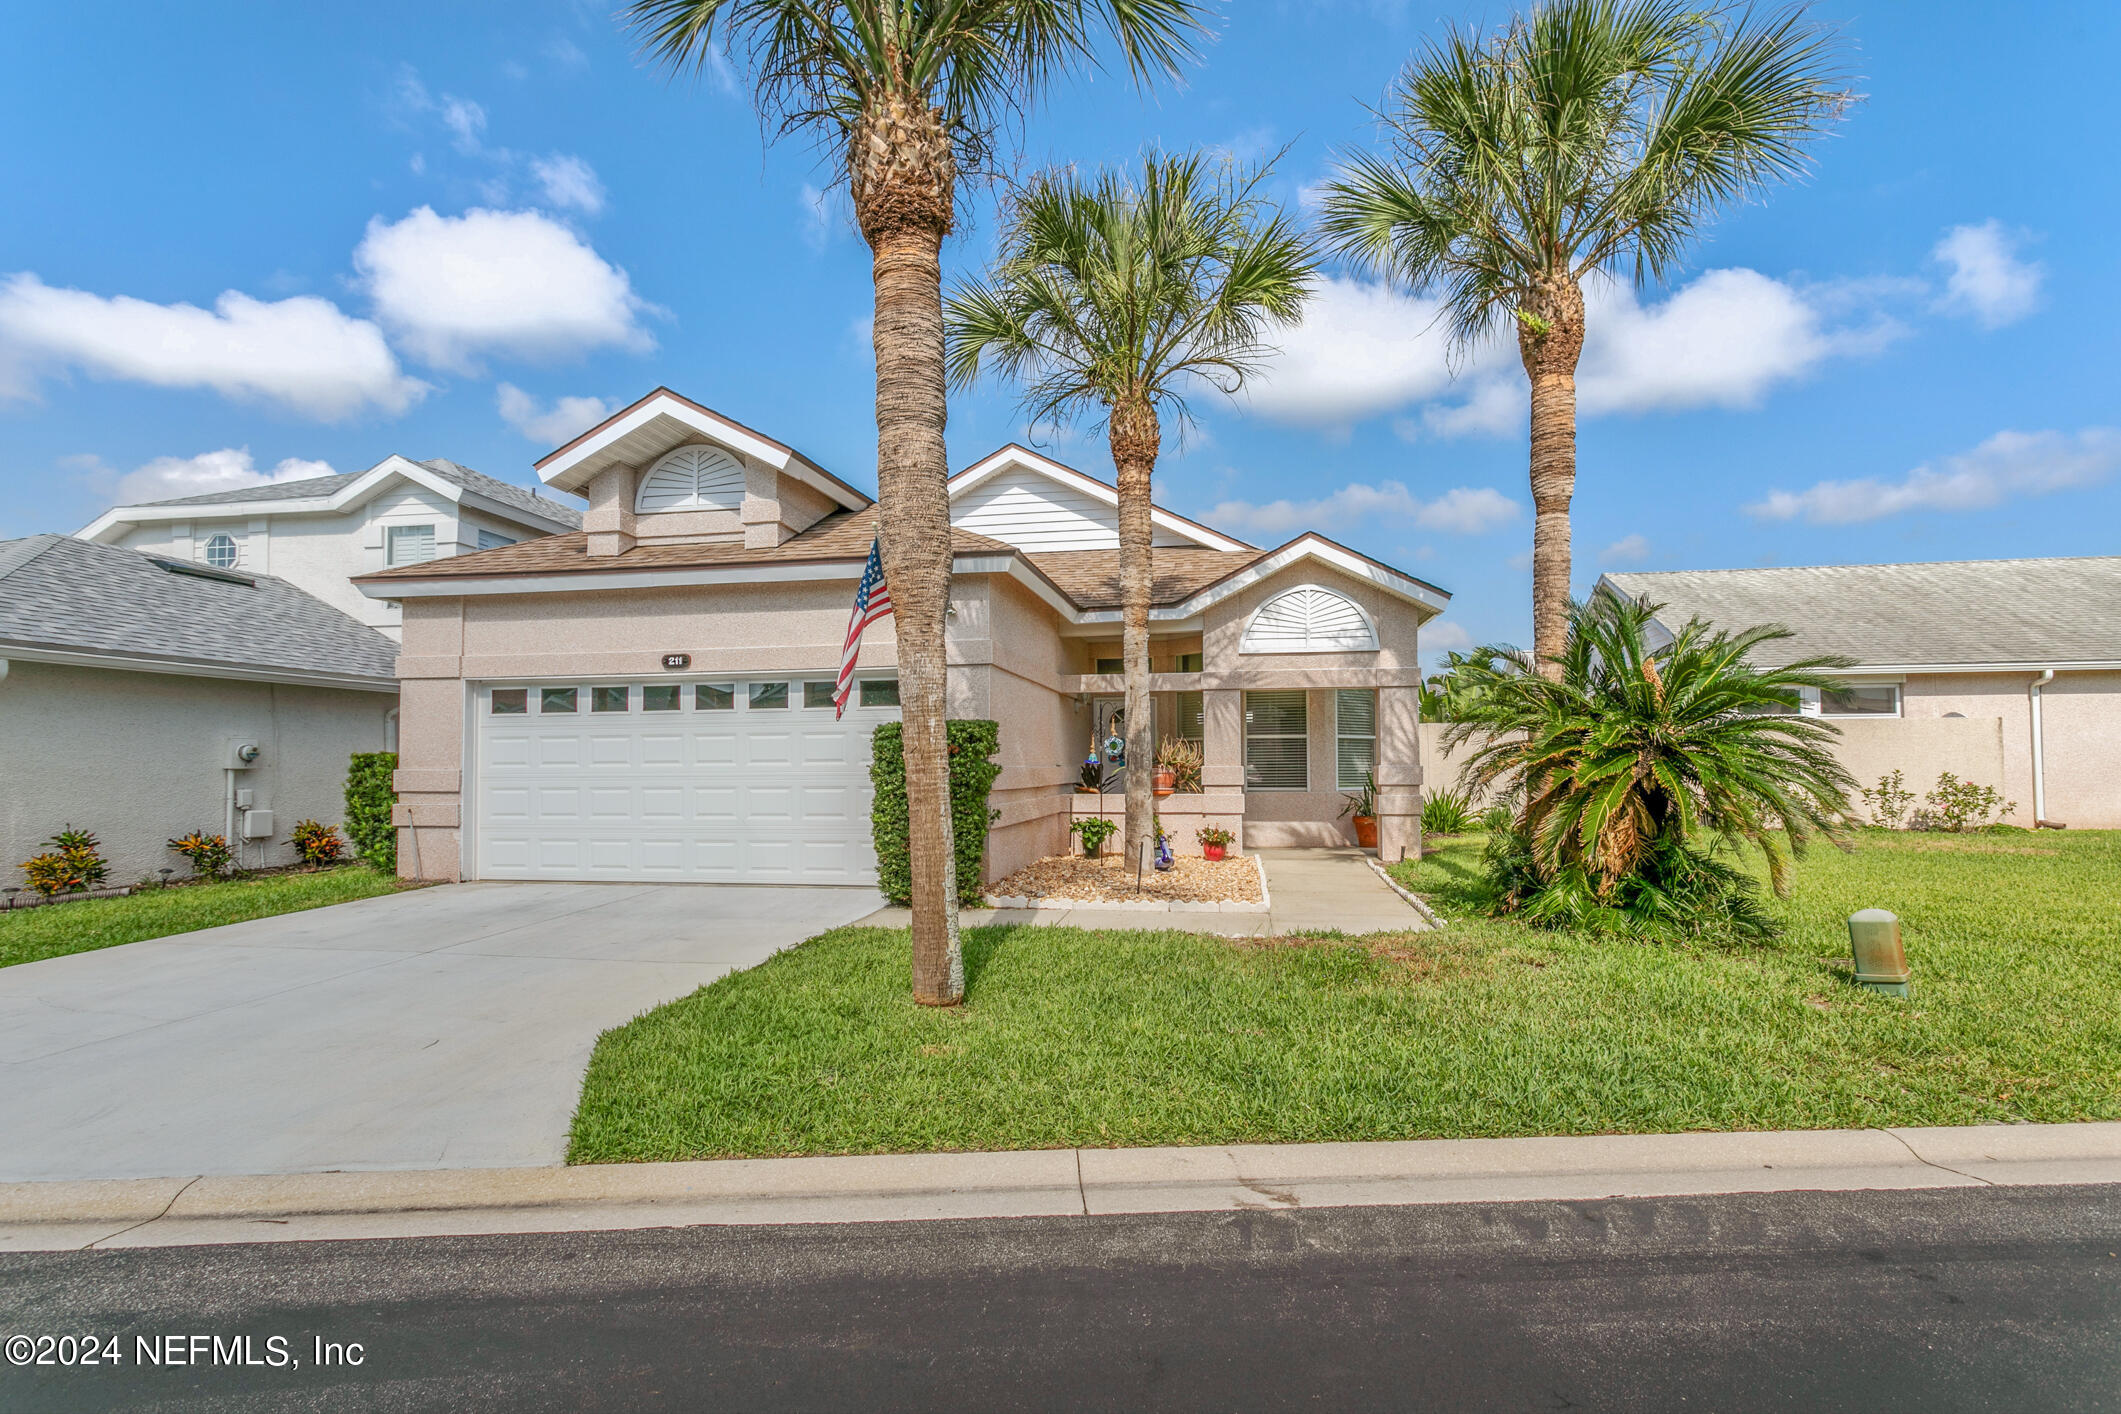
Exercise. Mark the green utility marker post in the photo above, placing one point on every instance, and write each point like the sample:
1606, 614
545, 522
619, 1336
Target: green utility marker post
1881, 962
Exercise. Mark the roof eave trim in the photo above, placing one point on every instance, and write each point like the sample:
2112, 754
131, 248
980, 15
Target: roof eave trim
193, 667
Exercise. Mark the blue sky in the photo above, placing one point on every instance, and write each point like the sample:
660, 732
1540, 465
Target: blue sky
231, 247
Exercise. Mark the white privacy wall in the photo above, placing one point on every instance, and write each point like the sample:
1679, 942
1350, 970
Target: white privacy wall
136, 757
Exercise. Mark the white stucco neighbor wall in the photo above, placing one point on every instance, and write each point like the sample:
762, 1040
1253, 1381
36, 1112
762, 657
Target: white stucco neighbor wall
137, 758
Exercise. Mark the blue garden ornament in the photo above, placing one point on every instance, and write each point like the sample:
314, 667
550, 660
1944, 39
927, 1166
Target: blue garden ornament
1163, 847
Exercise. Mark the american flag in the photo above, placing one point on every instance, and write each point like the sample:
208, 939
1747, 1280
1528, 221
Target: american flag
872, 600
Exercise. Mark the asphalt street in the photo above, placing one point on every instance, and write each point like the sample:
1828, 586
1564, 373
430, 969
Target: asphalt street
1958, 1299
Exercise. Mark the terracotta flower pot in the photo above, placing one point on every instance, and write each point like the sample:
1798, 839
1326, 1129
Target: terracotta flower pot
1212, 852
1366, 831
1165, 782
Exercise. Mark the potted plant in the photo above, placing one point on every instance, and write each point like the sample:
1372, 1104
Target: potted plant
1178, 764
1091, 778
1363, 805
1214, 841
1093, 831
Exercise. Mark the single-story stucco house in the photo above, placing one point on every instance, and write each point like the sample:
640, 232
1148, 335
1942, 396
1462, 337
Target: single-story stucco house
649, 698
129, 680
2004, 672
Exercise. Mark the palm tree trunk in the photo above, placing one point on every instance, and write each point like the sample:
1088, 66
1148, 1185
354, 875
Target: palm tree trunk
904, 182
1551, 341
1135, 439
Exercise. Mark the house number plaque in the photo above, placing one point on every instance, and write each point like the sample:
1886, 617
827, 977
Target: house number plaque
677, 660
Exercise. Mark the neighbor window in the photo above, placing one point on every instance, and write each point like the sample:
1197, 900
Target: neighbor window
880, 692
609, 699
1277, 730
1354, 735
766, 696
1112, 665
510, 701
1869, 701
556, 699
714, 697
221, 551
490, 541
662, 697
1190, 718
1190, 662
408, 545
817, 694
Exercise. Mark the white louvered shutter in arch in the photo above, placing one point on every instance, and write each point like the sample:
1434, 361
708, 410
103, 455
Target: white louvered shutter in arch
1309, 620
697, 478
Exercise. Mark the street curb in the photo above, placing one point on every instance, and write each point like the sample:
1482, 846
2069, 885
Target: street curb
184, 1211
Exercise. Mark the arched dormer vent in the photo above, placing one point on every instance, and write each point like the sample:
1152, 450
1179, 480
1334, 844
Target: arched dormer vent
1309, 620
695, 478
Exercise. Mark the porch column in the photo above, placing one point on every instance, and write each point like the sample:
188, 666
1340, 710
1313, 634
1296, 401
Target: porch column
1222, 771
1398, 773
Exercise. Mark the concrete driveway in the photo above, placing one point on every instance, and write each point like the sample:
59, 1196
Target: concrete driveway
442, 1028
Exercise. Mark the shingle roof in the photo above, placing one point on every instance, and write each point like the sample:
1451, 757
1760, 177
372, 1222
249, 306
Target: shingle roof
319, 487
841, 537
1968, 612
1176, 573
71, 595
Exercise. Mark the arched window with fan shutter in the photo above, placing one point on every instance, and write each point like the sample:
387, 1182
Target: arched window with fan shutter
696, 478
1309, 620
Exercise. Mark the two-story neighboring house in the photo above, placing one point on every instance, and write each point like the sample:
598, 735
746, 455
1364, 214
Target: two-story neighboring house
318, 533
652, 698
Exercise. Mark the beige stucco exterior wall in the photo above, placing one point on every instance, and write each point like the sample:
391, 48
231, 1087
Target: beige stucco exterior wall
138, 759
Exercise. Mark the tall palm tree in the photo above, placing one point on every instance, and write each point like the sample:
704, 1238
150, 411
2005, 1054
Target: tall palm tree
905, 97
1591, 137
1114, 296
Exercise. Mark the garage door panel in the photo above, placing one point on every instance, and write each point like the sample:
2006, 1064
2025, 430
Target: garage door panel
778, 795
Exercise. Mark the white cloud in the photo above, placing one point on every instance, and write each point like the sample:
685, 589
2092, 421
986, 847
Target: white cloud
569, 182
229, 469
565, 420
304, 354
1627, 550
466, 120
1988, 281
1441, 636
565, 52
1463, 510
451, 288
2006, 466
1724, 340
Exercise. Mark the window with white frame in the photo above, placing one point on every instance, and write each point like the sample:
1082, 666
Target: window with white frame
1277, 737
1354, 736
408, 544
1309, 619
696, 478
221, 551
1880, 699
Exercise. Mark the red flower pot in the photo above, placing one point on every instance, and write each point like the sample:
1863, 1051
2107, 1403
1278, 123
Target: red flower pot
1212, 852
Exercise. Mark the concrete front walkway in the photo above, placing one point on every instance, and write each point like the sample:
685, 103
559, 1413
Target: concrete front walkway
1308, 891
439, 1028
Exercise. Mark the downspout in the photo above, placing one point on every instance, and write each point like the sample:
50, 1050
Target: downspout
2039, 758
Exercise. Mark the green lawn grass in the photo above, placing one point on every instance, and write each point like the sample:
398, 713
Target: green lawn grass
31, 934
1487, 1028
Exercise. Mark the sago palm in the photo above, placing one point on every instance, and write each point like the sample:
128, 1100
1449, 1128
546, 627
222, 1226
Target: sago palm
904, 97
1590, 138
1114, 296
1633, 753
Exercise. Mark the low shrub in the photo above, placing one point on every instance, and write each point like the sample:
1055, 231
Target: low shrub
317, 843
1887, 802
72, 864
210, 855
1677, 894
1956, 806
1447, 812
369, 798
972, 771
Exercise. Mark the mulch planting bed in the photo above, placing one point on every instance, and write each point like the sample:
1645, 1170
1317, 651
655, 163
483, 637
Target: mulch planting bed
1190, 879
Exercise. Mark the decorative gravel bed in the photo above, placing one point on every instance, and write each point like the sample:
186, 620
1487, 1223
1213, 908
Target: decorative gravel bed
1069, 878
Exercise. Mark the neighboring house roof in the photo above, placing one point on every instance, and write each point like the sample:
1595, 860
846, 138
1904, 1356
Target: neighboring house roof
73, 601
334, 493
663, 421
1947, 614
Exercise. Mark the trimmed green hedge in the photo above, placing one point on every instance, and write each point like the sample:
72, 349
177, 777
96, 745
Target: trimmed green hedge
972, 773
368, 800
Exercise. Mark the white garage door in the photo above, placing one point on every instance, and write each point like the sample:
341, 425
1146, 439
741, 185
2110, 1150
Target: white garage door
749, 780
